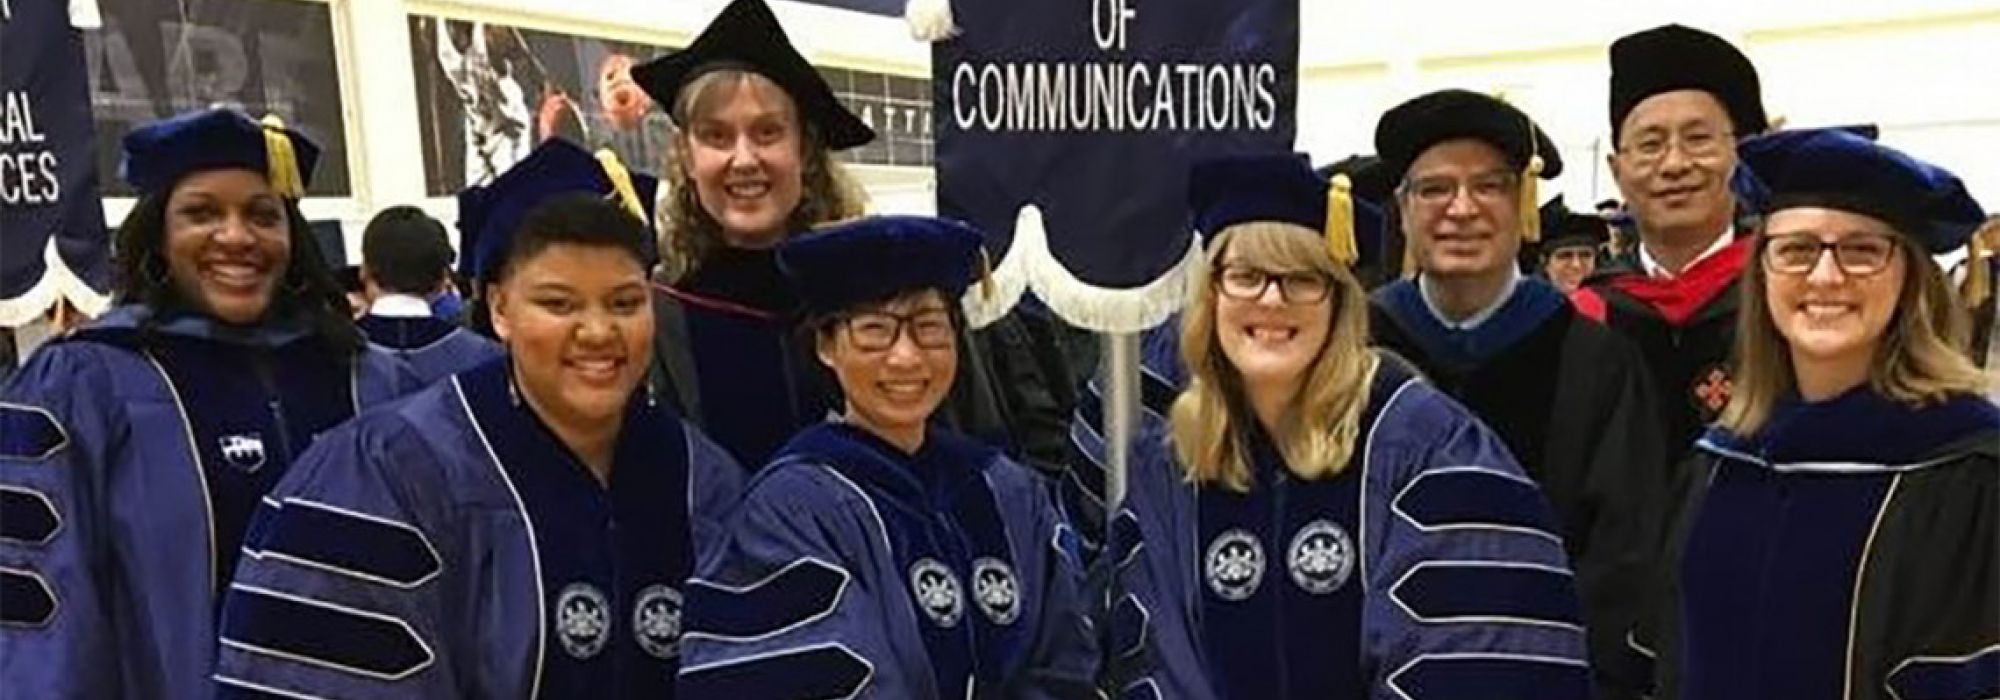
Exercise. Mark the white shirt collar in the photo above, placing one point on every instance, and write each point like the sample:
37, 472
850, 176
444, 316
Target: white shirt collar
1428, 289
1655, 269
400, 306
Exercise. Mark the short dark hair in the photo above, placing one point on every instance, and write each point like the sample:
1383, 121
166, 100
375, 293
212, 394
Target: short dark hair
579, 219
406, 251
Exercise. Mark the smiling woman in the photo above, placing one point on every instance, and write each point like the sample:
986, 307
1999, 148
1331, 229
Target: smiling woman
1314, 520
156, 430
1857, 459
978, 590
550, 486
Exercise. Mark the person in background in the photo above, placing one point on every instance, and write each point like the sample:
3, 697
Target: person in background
1975, 289
1312, 519
881, 554
1569, 397
751, 167
406, 265
1570, 245
133, 451
1838, 535
1680, 100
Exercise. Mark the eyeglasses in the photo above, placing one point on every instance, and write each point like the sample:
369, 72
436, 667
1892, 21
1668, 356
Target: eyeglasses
1438, 192
1858, 255
1249, 284
1650, 147
875, 331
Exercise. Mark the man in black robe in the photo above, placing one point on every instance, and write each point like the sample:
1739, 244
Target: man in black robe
1680, 100
1569, 397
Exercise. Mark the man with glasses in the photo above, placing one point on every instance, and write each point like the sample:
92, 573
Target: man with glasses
1680, 100
1569, 397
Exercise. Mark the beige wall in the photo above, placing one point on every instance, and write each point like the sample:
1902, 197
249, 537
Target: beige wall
1923, 69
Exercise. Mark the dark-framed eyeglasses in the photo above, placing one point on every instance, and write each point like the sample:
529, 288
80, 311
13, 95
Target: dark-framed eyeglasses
1858, 255
1246, 283
875, 331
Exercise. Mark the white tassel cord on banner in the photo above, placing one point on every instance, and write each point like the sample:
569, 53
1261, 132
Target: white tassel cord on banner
58, 282
930, 20
1030, 265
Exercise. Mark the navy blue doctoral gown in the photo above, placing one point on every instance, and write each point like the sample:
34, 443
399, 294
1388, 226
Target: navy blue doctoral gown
1429, 568
131, 457
855, 569
433, 348
451, 547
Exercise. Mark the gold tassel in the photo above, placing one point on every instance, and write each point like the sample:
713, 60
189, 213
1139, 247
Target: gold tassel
1531, 212
621, 183
281, 163
1340, 221
985, 275
1978, 271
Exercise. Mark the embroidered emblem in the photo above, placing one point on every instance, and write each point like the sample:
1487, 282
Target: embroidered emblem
1711, 390
1321, 557
583, 620
937, 592
1235, 565
995, 590
244, 452
656, 622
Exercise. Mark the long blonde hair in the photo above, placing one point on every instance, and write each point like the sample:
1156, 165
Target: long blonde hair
1921, 358
1212, 418
688, 234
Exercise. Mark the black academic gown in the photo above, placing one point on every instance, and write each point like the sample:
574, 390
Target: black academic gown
1685, 327
727, 351
1850, 550
1573, 402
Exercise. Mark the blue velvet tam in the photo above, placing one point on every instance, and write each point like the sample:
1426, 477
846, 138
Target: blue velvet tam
489, 215
1231, 190
1839, 169
871, 259
747, 36
1282, 188
160, 153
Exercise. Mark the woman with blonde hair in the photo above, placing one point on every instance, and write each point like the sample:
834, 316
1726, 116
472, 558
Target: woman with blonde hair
752, 166
1839, 536
1312, 519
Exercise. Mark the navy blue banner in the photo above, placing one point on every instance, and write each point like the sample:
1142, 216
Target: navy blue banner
1065, 129
53, 243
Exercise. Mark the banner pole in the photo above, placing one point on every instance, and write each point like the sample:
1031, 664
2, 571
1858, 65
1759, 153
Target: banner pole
1120, 377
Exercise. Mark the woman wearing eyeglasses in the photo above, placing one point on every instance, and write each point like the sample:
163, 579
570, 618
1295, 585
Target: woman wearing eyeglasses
1313, 520
1841, 538
880, 555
